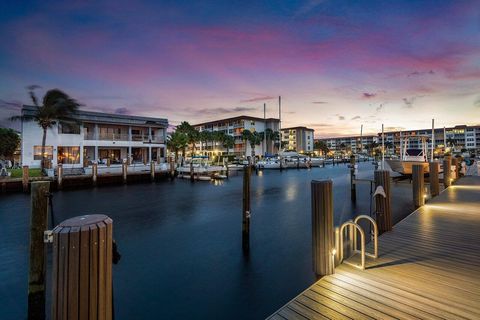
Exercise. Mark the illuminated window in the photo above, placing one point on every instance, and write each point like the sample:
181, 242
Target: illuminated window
37, 152
68, 155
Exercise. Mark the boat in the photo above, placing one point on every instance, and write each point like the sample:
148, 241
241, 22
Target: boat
271, 163
413, 151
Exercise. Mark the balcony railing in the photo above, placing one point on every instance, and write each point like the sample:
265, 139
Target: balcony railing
124, 137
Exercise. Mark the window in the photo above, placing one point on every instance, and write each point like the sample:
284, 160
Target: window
68, 155
68, 128
37, 152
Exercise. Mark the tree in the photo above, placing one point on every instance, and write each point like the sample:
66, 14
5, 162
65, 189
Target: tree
228, 142
177, 141
246, 137
56, 106
193, 136
388, 145
255, 139
9, 141
322, 146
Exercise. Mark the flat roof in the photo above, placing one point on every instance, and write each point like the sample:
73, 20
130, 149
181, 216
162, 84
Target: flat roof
299, 127
111, 118
235, 118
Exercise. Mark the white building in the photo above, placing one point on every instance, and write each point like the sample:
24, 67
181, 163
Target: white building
97, 137
234, 127
299, 139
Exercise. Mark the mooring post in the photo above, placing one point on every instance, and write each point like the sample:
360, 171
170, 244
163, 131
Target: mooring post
455, 165
447, 171
172, 169
38, 224
124, 171
353, 191
152, 171
82, 268
94, 173
192, 172
246, 209
383, 203
59, 176
418, 186
25, 178
433, 177
323, 234
108, 162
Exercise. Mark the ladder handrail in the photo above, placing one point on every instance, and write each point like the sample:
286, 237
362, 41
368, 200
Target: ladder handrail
362, 238
375, 235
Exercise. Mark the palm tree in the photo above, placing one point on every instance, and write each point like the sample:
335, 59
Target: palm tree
255, 139
228, 143
56, 106
192, 134
177, 141
268, 137
322, 146
246, 137
275, 137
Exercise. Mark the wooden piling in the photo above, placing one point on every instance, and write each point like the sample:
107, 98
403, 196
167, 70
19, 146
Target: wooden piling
152, 171
60, 176
25, 178
192, 172
455, 163
434, 180
447, 164
124, 172
323, 234
172, 169
108, 162
82, 268
38, 224
94, 173
383, 205
418, 185
246, 209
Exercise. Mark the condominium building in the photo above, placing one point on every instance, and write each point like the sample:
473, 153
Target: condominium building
354, 144
234, 127
96, 137
299, 139
459, 138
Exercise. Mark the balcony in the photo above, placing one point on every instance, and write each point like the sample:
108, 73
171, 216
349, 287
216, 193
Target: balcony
124, 137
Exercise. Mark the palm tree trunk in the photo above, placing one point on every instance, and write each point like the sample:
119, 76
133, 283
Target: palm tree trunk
44, 141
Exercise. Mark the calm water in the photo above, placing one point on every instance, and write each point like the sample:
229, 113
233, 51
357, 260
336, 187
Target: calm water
181, 242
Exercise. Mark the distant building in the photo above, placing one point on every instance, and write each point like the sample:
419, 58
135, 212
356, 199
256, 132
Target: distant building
299, 139
97, 137
354, 144
461, 136
234, 127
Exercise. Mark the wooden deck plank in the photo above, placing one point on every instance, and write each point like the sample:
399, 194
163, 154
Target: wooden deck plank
428, 268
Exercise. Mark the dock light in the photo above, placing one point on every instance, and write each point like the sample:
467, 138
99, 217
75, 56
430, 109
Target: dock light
334, 252
425, 196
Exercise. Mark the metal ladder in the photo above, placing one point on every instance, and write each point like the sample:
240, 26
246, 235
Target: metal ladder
355, 227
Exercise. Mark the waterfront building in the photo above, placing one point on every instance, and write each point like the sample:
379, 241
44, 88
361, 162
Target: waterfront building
96, 137
234, 127
458, 138
355, 144
299, 139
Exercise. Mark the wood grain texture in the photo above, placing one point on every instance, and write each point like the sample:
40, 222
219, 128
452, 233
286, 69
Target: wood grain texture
428, 268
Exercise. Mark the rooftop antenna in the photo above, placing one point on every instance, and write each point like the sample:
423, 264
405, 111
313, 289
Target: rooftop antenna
280, 121
265, 128
383, 147
361, 138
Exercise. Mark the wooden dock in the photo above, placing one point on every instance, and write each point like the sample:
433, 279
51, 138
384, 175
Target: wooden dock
428, 268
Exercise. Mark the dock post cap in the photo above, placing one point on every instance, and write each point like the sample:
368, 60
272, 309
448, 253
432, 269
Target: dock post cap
380, 191
322, 181
84, 220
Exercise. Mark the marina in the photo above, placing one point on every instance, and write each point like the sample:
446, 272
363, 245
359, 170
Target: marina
175, 234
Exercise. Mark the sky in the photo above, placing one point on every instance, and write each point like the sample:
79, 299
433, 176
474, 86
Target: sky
337, 64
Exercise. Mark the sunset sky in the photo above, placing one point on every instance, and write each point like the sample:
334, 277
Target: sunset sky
336, 64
